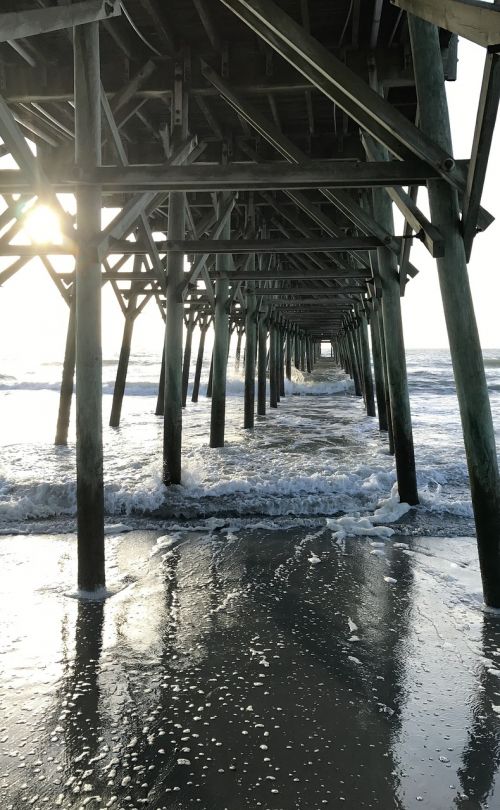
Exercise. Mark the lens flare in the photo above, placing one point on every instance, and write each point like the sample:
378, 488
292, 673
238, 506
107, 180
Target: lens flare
42, 226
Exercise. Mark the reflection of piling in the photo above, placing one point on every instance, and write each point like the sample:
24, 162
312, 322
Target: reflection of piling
481, 755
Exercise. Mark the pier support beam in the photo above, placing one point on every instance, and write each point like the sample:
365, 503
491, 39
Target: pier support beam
221, 339
281, 339
308, 355
353, 358
237, 356
378, 369
273, 367
366, 366
160, 400
395, 354
172, 418
68, 375
250, 350
172, 435
288, 354
121, 372
199, 361
187, 357
261, 365
383, 353
89, 455
468, 367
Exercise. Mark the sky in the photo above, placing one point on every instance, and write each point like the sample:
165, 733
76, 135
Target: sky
33, 316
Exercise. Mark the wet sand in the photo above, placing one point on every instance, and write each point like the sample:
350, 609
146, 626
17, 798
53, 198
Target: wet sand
230, 671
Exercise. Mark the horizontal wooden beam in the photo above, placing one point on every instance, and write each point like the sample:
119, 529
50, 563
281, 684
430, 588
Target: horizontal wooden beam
253, 177
471, 19
291, 274
207, 246
18, 24
298, 292
286, 274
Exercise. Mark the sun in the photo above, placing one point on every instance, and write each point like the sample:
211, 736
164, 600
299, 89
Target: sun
42, 225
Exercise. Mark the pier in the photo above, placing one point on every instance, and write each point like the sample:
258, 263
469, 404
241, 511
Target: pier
254, 152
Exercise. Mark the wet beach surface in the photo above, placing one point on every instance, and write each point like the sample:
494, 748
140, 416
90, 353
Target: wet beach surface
249, 668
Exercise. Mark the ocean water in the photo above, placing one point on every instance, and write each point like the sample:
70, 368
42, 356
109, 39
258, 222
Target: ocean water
316, 456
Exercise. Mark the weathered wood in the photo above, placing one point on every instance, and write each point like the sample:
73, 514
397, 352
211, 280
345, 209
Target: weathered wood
250, 350
19, 24
172, 420
481, 145
262, 364
342, 86
237, 356
89, 453
281, 338
321, 292
199, 362
288, 354
210, 377
366, 366
172, 437
121, 372
68, 374
308, 355
383, 353
252, 177
465, 347
160, 400
302, 352
273, 367
221, 343
353, 357
472, 19
378, 369
187, 357
396, 361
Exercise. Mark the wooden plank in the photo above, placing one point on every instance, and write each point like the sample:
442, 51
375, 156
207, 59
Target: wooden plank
472, 19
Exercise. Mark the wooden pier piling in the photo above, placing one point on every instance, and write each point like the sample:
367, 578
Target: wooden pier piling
250, 354
199, 360
221, 342
89, 453
66, 394
262, 364
465, 348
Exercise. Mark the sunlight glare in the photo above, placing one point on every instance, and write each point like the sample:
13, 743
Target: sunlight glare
42, 226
